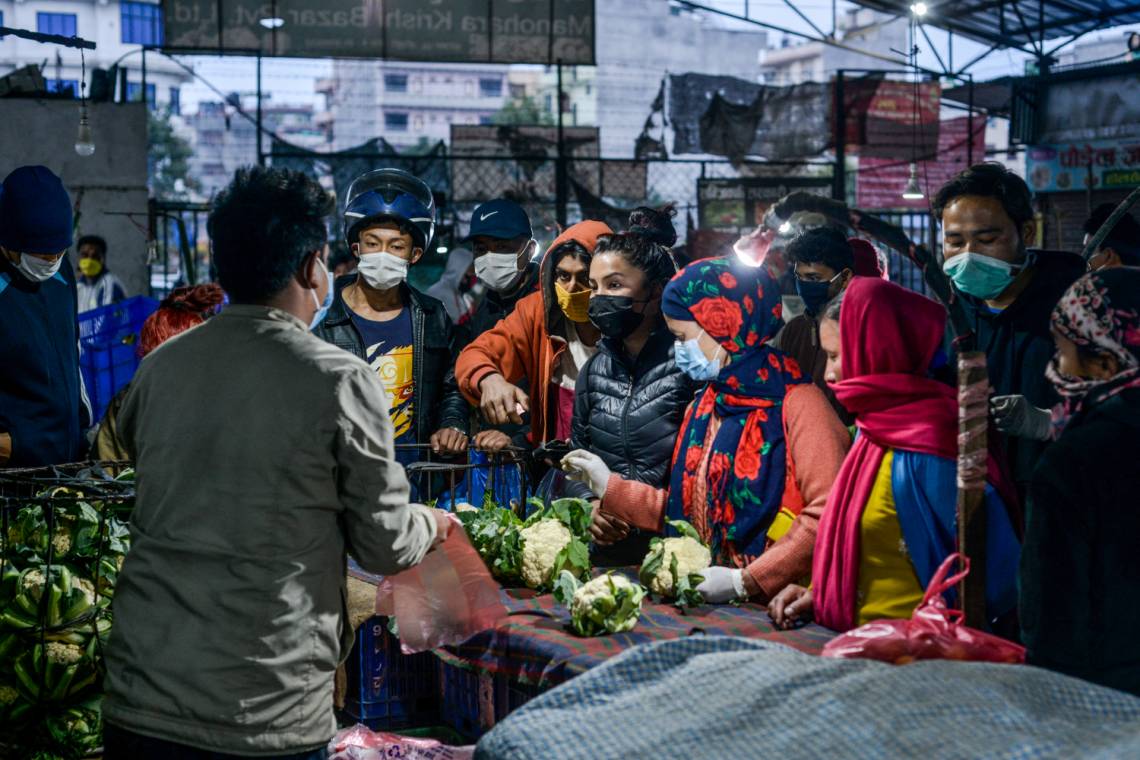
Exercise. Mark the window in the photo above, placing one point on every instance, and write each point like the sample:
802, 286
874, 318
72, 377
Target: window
517, 90
134, 92
141, 23
175, 101
490, 88
397, 122
396, 82
548, 103
64, 86
484, 119
56, 23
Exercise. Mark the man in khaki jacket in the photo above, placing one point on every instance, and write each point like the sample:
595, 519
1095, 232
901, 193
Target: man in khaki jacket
263, 454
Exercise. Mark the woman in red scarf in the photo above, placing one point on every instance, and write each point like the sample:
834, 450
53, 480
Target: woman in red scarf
758, 449
891, 518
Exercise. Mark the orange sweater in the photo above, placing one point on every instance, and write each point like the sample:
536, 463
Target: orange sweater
518, 346
817, 444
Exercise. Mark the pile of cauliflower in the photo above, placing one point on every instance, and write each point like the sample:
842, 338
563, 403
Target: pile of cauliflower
673, 566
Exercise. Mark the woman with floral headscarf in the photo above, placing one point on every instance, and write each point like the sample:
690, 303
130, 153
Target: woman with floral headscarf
758, 449
1080, 569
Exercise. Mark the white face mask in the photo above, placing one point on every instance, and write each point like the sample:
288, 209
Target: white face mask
37, 269
499, 271
382, 271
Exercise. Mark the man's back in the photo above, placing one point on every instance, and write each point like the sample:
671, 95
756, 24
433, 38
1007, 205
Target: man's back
260, 450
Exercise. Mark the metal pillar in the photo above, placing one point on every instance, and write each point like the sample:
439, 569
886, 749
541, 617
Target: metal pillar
839, 188
560, 174
260, 150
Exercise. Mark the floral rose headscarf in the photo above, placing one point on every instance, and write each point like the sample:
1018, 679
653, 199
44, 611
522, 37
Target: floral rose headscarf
1100, 312
740, 309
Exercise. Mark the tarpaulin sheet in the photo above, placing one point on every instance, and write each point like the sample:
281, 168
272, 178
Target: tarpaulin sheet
710, 696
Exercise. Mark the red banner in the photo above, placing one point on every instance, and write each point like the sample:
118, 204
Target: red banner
880, 181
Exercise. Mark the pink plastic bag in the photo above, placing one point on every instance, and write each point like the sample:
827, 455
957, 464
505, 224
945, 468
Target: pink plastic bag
361, 743
934, 632
446, 599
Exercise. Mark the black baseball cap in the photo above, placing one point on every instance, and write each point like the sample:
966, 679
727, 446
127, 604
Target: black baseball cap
501, 218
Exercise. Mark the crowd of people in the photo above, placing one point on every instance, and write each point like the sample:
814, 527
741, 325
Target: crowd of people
814, 452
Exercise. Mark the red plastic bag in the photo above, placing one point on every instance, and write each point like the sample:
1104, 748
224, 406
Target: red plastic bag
361, 743
934, 632
446, 599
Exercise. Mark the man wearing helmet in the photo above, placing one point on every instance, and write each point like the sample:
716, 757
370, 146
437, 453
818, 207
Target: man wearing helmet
406, 336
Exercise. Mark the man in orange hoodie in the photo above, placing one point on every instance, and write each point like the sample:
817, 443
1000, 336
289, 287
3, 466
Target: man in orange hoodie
547, 339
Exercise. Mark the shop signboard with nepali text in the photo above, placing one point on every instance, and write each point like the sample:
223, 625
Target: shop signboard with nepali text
459, 31
1066, 167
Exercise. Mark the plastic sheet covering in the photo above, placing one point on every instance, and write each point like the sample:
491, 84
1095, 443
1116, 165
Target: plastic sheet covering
934, 632
361, 743
445, 599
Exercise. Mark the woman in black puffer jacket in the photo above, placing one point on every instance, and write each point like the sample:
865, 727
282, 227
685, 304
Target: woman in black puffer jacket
630, 397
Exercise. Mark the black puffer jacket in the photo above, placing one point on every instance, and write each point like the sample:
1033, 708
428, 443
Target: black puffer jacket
437, 400
628, 412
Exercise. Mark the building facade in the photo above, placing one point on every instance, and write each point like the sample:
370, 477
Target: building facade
410, 104
794, 63
119, 28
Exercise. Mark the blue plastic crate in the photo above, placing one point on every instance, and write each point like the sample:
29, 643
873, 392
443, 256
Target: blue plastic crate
108, 348
472, 702
388, 689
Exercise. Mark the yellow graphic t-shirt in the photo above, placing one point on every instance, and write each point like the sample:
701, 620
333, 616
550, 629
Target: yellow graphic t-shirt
388, 349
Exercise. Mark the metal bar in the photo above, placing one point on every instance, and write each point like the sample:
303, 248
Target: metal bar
800, 13
260, 151
1092, 28
933, 49
970, 125
144, 76
978, 58
50, 39
839, 187
1025, 28
792, 32
950, 48
560, 189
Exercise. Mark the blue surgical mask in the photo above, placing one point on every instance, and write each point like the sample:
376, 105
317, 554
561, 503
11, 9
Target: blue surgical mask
981, 276
691, 360
322, 307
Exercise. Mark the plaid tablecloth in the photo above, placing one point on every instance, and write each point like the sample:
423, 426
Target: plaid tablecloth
536, 646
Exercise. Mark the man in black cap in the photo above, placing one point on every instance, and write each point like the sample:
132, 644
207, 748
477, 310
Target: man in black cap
503, 244
43, 411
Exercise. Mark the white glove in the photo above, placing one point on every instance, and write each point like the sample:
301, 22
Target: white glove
1014, 415
722, 584
588, 468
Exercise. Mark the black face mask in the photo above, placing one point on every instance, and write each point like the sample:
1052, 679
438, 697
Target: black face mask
614, 315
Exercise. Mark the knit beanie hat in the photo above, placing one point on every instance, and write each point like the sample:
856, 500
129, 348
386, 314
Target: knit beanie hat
35, 212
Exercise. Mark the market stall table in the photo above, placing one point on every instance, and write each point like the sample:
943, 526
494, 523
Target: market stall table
534, 649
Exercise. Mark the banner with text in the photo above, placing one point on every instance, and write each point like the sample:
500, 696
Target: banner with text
460, 31
1066, 167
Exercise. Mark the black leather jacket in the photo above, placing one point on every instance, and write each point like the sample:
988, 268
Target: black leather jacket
438, 403
628, 412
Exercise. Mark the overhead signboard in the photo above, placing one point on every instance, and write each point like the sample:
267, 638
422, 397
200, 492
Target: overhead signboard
1068, 167
460, 31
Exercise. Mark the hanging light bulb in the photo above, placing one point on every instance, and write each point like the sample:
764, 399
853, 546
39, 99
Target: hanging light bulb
912, 191
84, 144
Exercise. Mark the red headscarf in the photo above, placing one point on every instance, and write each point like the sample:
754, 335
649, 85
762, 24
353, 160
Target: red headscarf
888, 337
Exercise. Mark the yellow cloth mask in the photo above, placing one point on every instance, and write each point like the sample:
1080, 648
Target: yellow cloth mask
574, 305
90, 267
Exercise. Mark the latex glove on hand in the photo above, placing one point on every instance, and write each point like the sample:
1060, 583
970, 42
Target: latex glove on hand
588, 468
722, 584
1014, 415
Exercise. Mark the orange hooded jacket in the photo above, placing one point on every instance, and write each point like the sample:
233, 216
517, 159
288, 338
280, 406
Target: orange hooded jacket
529, 341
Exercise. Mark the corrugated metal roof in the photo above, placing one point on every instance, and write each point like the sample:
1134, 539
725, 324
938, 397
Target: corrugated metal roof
1014, 23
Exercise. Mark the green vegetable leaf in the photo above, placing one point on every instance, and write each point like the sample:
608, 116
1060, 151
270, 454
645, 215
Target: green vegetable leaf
565, 587
685, 529
687, 594
653, 561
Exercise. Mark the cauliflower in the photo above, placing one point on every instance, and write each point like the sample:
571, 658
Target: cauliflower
63, 654
61, 543
463, 506
8, 695
541, 544
88, 589
607, 604
692, 557
34, 582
